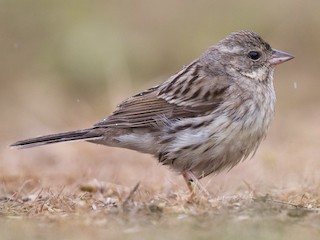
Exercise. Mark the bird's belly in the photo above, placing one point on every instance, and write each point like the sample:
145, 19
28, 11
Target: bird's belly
220, 145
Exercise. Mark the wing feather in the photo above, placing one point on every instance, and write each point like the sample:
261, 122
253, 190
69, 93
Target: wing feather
189, 93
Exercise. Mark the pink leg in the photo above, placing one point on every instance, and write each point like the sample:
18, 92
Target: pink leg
192, 181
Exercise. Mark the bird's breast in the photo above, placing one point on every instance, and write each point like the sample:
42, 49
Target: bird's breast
228, 135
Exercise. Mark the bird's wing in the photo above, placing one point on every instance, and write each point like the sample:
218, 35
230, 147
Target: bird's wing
189, 93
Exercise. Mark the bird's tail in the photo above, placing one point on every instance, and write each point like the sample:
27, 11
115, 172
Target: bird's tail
78, 135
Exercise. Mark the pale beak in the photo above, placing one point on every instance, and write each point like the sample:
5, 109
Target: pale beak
278, 57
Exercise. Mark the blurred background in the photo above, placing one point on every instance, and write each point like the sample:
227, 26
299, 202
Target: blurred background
66, 64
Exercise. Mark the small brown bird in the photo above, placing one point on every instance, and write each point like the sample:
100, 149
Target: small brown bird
207, 117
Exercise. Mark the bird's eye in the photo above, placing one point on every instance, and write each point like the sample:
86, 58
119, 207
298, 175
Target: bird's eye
254, 55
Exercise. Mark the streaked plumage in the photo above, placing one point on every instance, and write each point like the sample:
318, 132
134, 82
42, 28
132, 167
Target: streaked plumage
207, 117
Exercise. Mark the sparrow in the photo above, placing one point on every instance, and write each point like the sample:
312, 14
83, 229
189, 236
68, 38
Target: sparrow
208, 117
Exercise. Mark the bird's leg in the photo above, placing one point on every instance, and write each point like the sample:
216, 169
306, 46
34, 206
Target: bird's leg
192, 182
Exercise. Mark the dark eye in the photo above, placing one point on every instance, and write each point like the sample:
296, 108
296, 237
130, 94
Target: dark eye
254, 55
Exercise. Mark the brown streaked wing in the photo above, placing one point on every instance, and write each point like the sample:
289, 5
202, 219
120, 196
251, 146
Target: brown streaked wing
188, 93
138, 111
196, 86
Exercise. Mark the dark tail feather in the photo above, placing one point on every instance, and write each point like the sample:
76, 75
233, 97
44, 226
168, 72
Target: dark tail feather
79, 135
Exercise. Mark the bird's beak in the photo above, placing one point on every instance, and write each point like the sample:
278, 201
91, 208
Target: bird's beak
278, 57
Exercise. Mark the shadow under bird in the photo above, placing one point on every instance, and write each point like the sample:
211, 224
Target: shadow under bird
207, 117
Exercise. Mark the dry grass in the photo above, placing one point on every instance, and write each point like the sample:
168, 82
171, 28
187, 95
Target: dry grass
100, 209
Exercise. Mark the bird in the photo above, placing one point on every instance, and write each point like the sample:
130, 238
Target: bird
206, 118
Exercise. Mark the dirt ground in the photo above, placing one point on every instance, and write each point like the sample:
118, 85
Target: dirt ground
66, 65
